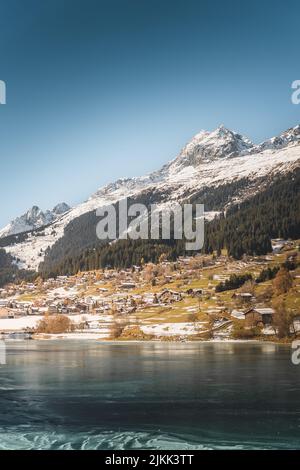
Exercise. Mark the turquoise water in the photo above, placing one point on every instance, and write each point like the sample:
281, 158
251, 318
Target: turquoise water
70, 394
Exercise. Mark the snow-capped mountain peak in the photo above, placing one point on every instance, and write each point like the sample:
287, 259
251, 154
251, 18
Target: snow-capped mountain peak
32, 219
61, 208
285, 139
209, 146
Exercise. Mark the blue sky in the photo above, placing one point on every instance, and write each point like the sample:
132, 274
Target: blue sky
101, 89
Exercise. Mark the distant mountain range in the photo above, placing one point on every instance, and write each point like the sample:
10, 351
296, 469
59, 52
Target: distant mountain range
221, 169
34, 218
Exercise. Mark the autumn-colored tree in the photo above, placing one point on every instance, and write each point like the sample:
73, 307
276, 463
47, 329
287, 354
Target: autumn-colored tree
282, 319
118, 328
39, 281
162, 258
283, 281
148, 273
116, 331
55, 324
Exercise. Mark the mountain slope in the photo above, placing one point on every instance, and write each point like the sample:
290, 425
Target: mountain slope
220, 168
247, 229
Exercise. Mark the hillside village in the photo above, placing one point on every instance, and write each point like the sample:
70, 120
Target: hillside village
205, 297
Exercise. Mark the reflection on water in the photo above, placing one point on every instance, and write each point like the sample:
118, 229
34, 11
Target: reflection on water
86, 394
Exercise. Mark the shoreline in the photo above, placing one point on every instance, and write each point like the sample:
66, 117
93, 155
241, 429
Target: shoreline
93, 337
